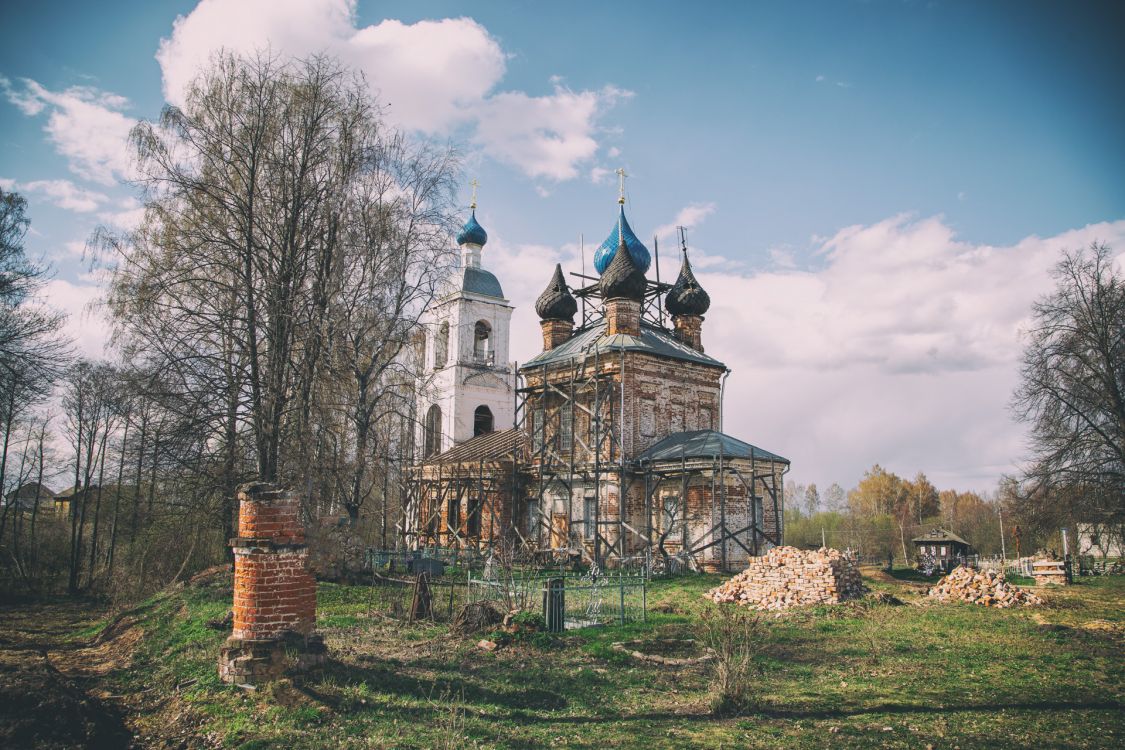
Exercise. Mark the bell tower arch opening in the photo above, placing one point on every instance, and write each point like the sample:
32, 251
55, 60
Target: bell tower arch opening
432, 441
482, 420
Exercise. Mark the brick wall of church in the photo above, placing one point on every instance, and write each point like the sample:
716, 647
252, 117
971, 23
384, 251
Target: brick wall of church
662, 397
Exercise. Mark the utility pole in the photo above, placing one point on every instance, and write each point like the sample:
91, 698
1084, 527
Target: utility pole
1003, 551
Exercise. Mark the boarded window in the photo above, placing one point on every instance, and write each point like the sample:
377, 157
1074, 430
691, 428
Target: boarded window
441, 346
453, 513
676, 418
476, 504
589, 515
566, 426
671, 511
648, 418
535, 425
530, 525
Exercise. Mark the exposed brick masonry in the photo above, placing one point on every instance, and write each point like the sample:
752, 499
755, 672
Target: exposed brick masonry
623, 316
274, 591
689, 329
555, 332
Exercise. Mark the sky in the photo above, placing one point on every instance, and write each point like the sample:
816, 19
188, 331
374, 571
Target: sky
873, 193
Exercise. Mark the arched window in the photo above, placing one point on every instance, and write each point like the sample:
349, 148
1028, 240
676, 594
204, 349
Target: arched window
482, 420
441, 346
482, 341
432, 442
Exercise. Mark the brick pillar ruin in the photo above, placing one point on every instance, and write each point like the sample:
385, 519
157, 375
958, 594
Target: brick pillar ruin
274, 592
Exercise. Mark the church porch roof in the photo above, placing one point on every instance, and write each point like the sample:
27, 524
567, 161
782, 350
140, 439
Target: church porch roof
705, 444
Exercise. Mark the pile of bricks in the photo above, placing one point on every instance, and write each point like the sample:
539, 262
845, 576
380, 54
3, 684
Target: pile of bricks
980, 587
788, 577
1049, 572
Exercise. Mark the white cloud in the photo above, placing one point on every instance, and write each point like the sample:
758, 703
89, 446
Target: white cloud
434, 75
689, 216
85, 124
902, 349
901, 346
85, 324
599, 175
543, 136
63, 193
128, 216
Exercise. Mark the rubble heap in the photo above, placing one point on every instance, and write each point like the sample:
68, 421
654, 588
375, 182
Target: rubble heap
980, 587
788, 577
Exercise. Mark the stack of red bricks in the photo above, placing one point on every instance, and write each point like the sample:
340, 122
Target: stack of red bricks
788, 577
980, 587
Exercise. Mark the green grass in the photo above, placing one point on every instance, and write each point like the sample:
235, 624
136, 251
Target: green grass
853, 675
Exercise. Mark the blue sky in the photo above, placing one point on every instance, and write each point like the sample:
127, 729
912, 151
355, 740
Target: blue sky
875, 190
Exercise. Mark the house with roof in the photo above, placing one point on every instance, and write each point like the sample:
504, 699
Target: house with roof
946, 548
30, 495
607, 446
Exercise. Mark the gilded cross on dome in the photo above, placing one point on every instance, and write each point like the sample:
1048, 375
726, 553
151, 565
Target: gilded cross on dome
621, 182
474, 183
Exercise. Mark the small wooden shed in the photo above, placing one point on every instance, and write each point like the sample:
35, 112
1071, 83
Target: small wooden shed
945, 547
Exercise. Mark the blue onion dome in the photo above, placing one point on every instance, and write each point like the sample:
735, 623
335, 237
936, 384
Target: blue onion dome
621, 230
472, 233
686, 297
623, 279
556, 301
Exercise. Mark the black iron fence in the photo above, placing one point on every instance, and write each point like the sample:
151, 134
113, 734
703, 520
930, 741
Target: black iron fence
567, 600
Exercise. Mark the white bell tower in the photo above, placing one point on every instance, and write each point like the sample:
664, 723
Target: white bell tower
469, 384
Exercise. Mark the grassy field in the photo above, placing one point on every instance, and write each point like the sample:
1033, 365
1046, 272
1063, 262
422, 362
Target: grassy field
860, 674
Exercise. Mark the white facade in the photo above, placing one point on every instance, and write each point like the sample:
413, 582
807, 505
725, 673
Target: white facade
465, 362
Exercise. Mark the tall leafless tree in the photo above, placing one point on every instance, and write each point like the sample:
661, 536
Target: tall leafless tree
1073, 390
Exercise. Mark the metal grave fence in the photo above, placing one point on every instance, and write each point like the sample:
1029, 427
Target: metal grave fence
567, 600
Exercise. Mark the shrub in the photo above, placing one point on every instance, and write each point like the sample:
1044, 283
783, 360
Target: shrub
737, 637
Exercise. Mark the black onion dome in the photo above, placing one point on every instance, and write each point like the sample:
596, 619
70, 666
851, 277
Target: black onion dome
622, 278
556, 302
686, 297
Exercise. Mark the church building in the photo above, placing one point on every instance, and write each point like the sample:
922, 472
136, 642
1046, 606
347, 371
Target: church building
607, 446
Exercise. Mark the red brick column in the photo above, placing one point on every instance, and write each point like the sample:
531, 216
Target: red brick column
274, 591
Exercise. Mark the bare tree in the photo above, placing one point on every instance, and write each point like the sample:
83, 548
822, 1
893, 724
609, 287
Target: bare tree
32, 350
1073, 390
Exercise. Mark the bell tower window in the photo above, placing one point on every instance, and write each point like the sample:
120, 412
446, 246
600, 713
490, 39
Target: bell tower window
482, 420
432, 443
482, 341
441, 346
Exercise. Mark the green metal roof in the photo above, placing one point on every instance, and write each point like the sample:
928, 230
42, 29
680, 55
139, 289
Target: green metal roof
655, 341
705, 444
480, 281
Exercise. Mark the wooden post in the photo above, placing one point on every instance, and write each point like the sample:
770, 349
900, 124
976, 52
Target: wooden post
422, 606
554, 605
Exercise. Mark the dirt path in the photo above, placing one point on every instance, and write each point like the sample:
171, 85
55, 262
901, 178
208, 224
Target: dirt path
48, 685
